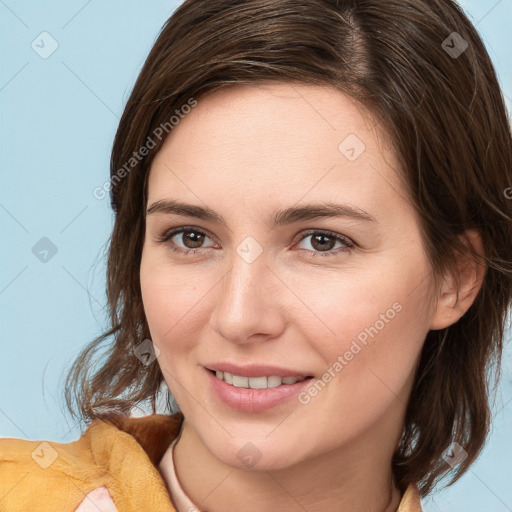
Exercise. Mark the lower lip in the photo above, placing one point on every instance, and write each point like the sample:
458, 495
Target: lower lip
254, 400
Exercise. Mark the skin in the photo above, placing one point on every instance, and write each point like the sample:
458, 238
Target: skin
246, 151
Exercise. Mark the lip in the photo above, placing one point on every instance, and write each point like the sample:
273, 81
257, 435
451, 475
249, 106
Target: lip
255, 370
253, 400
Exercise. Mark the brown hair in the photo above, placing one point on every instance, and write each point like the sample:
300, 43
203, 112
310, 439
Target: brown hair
447, 121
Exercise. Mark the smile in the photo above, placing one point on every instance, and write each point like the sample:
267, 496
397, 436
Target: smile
263, 382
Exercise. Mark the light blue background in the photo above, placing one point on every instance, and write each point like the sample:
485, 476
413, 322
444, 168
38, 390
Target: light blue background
59, 117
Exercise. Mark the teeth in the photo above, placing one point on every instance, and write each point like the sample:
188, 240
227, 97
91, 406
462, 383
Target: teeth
240, 382
273, 381
289, 380
256, 382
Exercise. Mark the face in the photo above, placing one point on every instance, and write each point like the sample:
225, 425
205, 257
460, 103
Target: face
312, 262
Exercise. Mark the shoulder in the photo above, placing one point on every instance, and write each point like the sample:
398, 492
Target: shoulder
91, 473
41, 475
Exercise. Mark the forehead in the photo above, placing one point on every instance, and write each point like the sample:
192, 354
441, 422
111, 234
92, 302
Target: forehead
276, 142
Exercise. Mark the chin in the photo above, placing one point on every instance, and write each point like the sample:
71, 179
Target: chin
255, 455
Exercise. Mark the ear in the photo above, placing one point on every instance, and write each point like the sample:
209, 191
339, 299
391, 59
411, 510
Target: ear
453, 300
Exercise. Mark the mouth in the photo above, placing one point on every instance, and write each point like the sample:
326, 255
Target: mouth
261, 382
259, 390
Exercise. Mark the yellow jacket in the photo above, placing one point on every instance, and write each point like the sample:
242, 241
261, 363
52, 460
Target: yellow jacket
112, 467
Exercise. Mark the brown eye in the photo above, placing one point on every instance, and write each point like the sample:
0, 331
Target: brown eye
191, 240
323, 243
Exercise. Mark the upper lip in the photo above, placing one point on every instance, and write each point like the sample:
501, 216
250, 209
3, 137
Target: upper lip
255, 370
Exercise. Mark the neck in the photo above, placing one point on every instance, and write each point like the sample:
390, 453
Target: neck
354, 478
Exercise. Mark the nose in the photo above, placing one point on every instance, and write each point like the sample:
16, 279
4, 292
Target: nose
249, 302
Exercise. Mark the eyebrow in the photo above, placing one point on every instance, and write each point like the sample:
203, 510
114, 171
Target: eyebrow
280, 217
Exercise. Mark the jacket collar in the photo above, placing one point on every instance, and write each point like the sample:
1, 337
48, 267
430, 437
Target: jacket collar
153, 433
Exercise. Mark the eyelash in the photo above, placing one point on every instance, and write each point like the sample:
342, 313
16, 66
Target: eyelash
349, 244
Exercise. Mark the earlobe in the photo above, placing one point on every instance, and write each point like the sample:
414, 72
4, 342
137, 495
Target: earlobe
455, 298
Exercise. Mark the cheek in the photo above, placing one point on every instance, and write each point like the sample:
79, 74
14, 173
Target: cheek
369, 366
376, 353
338, 307
174, 299
171, 305
369, 332
164, 303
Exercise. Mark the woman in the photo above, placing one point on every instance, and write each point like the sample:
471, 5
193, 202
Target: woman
312, 252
